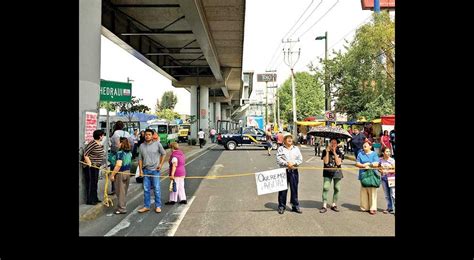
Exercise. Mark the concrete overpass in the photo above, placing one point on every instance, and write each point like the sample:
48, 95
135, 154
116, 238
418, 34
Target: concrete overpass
197, 44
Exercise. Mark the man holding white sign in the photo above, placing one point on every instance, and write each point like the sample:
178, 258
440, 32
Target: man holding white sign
289, 157
271, 181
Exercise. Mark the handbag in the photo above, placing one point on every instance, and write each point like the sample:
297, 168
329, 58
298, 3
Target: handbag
173, 186
138, 178
391, 180
370, 179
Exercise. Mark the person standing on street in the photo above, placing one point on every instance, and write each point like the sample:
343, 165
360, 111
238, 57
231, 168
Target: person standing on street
367, 159
213, 135
269, 140
289, 157
318, 143
122, 179
387, 169
392, 141
149, 164
279, 139
201, 136
385, 140
177, 173
94, 155
357, 140
332, 161
115, 140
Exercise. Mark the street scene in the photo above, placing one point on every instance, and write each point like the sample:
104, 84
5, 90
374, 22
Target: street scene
197, 119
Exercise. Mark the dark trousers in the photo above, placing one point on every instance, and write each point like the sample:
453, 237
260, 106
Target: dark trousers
92, 178
356, 151
293, 179
317, 149
201, 142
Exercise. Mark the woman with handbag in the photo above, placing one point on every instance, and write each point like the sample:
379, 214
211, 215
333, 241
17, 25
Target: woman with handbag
367, 160
387, 168
122, 180
177, 174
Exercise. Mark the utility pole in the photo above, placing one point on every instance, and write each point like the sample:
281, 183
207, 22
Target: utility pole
288, 58
266, 95
266, 106
327, 100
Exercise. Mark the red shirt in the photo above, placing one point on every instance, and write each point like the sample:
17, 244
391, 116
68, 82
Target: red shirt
386, 141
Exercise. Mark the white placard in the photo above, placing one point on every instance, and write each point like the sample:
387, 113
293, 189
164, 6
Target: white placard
271, 181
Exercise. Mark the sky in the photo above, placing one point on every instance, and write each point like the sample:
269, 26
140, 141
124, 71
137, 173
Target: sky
116, 64
267, 22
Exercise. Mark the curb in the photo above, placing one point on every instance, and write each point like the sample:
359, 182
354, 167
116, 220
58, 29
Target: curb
99, 209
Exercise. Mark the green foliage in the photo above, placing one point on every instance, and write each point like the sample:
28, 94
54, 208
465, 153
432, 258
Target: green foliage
362, 79
309, 97
168, 101
128, 108
168, 114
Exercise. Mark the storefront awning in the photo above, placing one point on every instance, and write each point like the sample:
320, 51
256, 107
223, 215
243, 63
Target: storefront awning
310, 123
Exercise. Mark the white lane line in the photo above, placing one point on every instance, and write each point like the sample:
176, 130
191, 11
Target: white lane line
312, 157
251, 159
125, 223
171, 221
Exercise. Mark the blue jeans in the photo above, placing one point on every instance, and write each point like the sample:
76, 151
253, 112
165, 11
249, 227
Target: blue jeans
389, 193
147, 182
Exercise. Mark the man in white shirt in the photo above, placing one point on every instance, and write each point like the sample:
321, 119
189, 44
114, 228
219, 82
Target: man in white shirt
201, 136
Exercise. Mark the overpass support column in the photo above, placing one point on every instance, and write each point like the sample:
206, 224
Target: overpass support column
203, 109
218, 112
90, 13
194, 111
211, 115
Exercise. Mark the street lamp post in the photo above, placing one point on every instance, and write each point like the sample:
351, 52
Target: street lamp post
327, 101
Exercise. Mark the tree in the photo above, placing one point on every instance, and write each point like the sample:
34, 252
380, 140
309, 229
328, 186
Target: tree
309, 97
157, 106
129, 108
362, 85
168, 100
168, 114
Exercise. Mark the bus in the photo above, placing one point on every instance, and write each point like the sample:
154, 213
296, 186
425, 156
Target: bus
167, 131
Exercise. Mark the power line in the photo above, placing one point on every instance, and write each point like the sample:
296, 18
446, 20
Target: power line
273, 56
307, 18
343, 37
272, 61
306, 9
319, 19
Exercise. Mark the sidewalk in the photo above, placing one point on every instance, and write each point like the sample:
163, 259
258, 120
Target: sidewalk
90, 212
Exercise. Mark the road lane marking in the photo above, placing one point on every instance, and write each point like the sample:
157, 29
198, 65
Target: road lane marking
171, 221
125, 223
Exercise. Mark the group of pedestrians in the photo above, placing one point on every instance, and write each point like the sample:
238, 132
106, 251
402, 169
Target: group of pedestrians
383, 169
151, 157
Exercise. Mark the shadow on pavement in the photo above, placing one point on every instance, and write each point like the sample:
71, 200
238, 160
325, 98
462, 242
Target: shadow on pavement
311, 204
271, 205
351, 206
